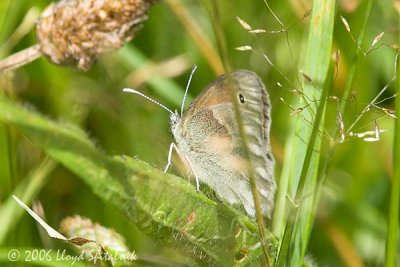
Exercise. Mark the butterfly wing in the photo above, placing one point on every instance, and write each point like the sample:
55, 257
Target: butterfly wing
208, 135
255, 108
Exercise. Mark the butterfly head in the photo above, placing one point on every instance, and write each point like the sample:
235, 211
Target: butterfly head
175, 118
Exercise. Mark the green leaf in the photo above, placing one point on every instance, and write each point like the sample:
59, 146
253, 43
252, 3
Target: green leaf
164, 206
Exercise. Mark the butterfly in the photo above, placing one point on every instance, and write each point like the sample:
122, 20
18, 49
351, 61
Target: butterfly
208, 140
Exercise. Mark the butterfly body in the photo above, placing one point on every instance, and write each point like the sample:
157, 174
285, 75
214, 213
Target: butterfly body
208, 136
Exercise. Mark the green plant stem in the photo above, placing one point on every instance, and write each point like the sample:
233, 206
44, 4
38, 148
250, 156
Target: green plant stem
393, 216
20, 58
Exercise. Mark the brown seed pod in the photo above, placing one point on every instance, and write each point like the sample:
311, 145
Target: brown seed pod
76, 32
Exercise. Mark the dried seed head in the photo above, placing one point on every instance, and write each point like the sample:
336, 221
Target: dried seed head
84, 229
76, 32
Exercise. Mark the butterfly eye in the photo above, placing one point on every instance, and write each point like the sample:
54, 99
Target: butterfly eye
241, 98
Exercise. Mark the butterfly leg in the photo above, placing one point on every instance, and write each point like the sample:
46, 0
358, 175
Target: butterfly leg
169, 163
195, 175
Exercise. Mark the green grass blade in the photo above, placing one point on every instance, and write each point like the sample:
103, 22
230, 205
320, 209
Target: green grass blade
316, 63
299, 225
315, 66
164, 206
306, 212
301, 169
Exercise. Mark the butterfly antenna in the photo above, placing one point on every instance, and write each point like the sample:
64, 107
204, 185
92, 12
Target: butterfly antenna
133, 91
187, 87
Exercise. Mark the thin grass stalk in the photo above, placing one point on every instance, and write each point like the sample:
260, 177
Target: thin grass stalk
198, 36
394, 206
346, 94
355, 63
350, 81
257, 202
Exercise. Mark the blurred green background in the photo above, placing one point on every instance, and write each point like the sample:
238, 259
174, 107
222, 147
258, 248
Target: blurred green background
350, 228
